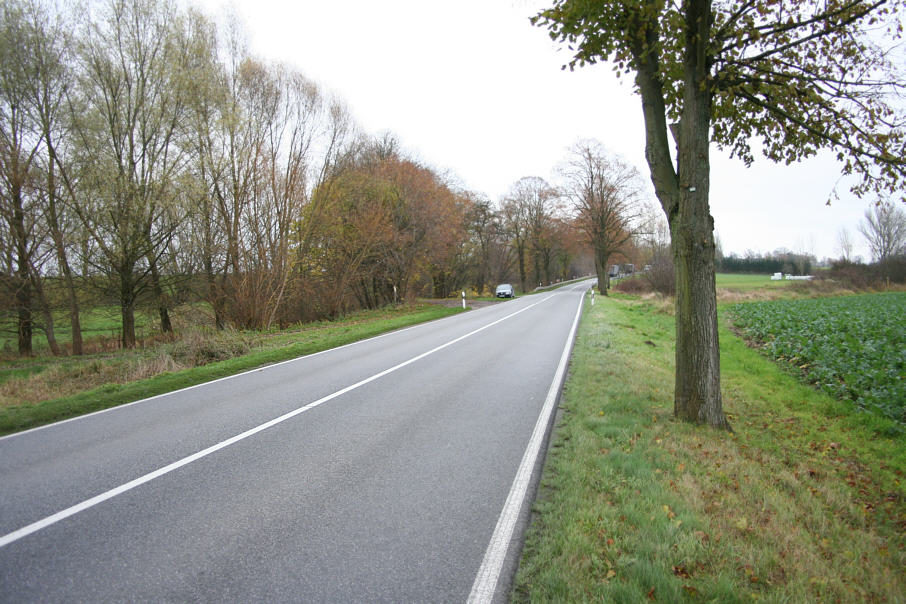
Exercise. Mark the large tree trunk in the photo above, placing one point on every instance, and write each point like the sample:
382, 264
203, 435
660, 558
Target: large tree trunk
697, 396
601, 270
75, 323
683, 193
215, 298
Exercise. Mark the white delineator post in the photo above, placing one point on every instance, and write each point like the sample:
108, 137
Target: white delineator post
463, 300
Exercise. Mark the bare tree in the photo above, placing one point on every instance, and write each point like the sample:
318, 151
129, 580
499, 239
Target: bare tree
482, 226
884, 228
606, 194
524, 210
541, 212
263, 137
845, 244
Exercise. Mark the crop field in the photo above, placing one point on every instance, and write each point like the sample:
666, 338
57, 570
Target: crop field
746, 282
853, 347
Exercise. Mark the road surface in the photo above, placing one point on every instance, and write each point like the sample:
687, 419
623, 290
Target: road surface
398, 469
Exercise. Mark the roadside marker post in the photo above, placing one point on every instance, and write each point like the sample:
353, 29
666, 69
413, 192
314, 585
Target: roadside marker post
463, 300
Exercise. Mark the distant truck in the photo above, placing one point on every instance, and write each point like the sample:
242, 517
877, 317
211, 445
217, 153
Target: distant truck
614, 270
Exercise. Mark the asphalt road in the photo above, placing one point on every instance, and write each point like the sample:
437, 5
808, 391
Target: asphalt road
391, 470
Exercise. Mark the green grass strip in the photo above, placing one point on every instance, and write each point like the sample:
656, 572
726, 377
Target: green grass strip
802, 502
307, 341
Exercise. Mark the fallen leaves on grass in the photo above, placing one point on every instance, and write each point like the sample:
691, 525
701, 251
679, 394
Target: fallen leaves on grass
680, 571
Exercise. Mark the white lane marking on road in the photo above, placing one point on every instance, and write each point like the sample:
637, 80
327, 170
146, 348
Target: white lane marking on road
489, 572
88, 503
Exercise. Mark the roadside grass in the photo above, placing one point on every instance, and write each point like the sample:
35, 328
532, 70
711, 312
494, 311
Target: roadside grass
57, 389
803, 502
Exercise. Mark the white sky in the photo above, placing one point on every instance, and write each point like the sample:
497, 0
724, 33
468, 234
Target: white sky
469, 86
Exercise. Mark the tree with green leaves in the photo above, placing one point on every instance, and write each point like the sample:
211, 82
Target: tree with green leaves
796, 76
132, 102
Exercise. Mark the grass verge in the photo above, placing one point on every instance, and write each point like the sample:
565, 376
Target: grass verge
280, 346
802, 502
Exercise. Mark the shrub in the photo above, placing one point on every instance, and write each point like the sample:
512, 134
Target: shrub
633, 285
200, 347
661, 275
864, 276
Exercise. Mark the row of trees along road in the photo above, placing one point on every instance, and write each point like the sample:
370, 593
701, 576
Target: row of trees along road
147, 158
799, 76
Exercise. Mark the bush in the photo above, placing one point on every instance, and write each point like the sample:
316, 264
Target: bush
856, 275
661, 275
200, 347
633, 285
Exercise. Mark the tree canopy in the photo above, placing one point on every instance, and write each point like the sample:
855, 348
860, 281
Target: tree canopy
796, 77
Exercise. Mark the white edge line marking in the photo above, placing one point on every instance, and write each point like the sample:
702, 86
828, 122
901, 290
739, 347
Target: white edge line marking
88, 503
489, 572
226, 377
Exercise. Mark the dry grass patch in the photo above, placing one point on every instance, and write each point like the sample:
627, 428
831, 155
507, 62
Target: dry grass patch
43, 389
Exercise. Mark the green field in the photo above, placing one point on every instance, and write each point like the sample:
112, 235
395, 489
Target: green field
96, 322
746, 282
853, 347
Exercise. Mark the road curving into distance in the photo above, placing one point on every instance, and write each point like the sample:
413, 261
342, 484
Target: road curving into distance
397, 469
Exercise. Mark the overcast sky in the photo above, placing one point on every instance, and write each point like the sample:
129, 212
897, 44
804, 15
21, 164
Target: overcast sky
470, 87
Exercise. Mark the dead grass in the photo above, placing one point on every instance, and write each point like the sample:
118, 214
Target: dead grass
47, 379
59, 380
68, 376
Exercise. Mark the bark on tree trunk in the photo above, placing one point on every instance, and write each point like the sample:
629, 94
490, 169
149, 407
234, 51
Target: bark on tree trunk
165, 325
127, 308
601, 270
697, 395
683, 193
49, 331
24, 327
23, 284
520, 252
75, 323
48, 316
214, 293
